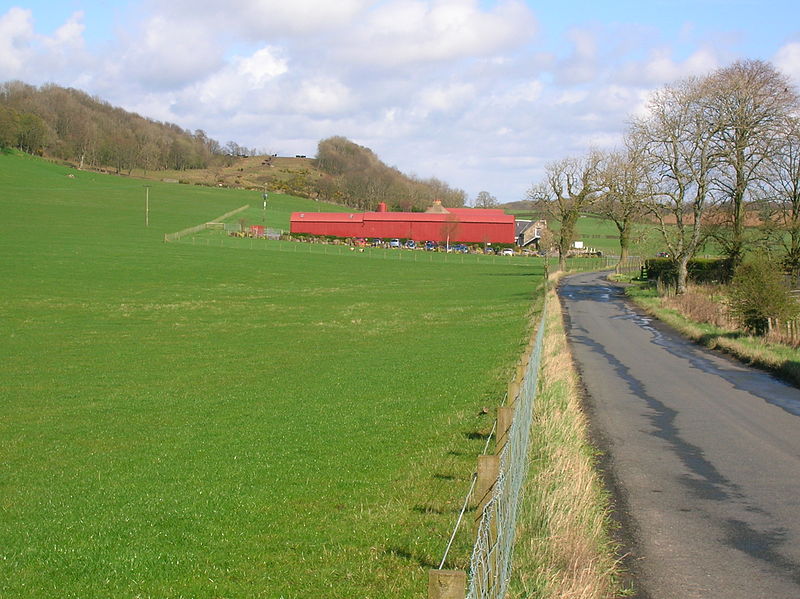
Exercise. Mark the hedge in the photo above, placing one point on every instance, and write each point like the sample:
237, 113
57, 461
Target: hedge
700, 270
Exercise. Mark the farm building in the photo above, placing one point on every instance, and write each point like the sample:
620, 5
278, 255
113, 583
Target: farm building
530, 232
439, 224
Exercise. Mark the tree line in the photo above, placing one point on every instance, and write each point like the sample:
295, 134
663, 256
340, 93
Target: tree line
712, 158
70, 125
353, 175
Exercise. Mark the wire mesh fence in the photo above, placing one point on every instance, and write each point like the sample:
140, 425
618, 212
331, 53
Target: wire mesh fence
168, 237
490, 563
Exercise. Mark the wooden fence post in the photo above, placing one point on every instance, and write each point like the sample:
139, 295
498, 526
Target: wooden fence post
513, 391
505, 416
488, 471
447, 584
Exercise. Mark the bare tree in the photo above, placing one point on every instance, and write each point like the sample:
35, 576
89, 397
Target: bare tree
485, 200
780, 195
678, 150
625, 182
570, 186
745, 104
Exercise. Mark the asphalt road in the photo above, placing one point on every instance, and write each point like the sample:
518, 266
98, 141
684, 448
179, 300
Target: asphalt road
704, 453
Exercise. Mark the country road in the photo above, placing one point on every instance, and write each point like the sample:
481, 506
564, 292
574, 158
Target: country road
704, 453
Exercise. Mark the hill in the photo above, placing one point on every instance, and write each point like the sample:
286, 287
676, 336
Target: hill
88, 133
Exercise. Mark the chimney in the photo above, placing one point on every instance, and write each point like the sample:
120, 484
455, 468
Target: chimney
382, 207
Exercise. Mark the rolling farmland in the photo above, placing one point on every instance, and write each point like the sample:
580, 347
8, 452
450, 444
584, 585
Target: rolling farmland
183, 420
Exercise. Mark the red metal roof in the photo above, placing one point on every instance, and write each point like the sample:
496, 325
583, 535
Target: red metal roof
465, 216
464, 224
328, 217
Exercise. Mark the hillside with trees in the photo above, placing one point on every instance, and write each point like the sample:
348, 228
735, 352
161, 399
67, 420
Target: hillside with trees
354, 176
71, 126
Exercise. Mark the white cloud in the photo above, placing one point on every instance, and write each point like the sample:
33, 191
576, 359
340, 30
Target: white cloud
262, 20
581, 66
444, 98
38, 58
69, 35
16, 36
263, 66
244, 84
787, 61
270, 17
403, 32
169, 54
525, 92
660, 67
323, 96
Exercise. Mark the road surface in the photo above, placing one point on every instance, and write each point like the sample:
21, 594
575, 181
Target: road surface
704, 453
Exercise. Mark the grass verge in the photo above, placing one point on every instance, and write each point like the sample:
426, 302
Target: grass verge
783, 360
564, 548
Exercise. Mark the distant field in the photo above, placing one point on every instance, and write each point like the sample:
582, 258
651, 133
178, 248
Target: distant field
198, 421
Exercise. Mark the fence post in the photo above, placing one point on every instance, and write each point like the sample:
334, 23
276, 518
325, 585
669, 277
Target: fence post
505, 416
513, 391
488, 471
447, 584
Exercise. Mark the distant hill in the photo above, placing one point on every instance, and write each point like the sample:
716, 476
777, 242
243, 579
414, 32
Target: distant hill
522, 205
70, 125
88, 133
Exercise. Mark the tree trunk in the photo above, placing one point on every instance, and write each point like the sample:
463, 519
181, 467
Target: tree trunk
683, 275
624, 243
736, 254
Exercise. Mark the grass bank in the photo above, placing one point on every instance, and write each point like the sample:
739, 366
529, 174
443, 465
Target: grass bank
781, 359
564, 547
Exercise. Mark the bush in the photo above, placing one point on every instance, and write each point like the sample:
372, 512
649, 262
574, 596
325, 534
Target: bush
759, 295
701, 270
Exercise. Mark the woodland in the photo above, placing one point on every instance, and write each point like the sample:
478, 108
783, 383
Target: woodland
86, 132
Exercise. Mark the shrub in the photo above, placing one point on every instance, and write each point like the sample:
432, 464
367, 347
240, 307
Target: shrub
701, 270
759, 295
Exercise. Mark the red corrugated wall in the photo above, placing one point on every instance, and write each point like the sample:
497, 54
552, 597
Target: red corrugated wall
421, 227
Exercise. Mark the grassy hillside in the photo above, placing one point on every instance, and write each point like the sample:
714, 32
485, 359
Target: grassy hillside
281, 174
198, 421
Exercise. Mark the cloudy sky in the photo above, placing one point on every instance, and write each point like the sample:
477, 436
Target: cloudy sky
479, 93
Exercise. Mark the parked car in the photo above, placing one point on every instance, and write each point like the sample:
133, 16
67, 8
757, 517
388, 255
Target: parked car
430, 246
394, 243
377, 242
461, 248
507, 252
411, 244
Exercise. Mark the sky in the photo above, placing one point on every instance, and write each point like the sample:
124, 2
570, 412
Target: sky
481, 94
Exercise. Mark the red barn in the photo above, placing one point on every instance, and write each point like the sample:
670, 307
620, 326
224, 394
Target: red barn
468, 225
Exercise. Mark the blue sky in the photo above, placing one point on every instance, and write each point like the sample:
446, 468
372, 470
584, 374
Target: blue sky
479, 93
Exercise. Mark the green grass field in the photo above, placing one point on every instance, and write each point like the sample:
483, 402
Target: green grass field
195, 421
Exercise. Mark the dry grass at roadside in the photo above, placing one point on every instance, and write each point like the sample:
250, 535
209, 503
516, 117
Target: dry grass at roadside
563, 548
